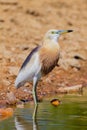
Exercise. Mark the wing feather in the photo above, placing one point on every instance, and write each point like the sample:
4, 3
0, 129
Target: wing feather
29, 56
29, 68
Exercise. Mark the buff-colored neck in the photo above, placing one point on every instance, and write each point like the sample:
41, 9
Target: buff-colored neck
51, 43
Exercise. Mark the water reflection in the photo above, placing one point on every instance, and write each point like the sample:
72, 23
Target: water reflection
70, 115
22, 124
35, 125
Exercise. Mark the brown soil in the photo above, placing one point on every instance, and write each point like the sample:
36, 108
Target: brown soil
22, 26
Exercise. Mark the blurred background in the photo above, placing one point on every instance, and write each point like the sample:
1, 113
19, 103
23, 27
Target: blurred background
23, 24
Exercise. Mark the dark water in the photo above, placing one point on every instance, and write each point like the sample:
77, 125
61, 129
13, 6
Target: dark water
70, 115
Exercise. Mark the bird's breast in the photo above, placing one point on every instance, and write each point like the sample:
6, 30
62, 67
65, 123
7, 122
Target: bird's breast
49, 59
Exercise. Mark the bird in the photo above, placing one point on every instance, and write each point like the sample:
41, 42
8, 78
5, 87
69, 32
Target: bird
41, 61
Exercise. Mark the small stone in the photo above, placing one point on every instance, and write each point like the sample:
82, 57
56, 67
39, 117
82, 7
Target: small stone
11, 99
55, 102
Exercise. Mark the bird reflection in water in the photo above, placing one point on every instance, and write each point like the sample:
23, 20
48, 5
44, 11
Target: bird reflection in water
24, 124
35, 118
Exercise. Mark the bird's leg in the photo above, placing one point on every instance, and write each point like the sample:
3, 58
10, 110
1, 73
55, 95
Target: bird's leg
35, 81
35, 113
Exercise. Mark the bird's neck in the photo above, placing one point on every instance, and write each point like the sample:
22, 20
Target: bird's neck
51, 43
54, 39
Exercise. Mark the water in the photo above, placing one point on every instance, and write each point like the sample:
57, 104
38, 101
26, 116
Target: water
70, 115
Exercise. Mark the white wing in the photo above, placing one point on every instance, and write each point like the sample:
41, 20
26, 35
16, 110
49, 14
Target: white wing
28, 70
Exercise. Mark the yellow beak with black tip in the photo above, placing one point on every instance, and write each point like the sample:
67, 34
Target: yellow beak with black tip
64, 31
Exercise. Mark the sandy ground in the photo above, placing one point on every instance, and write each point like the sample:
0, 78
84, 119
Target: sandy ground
22, 27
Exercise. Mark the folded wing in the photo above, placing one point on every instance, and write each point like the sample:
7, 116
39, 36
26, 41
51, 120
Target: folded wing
29, 68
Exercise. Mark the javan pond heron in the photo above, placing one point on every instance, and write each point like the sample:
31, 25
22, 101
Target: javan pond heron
40, 61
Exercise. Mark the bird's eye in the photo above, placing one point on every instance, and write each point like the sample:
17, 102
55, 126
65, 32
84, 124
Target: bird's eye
53, 32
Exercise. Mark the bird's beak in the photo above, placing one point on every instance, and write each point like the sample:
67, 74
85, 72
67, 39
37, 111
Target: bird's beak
65, 31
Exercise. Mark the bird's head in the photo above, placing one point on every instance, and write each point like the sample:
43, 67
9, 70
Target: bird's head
54, 34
